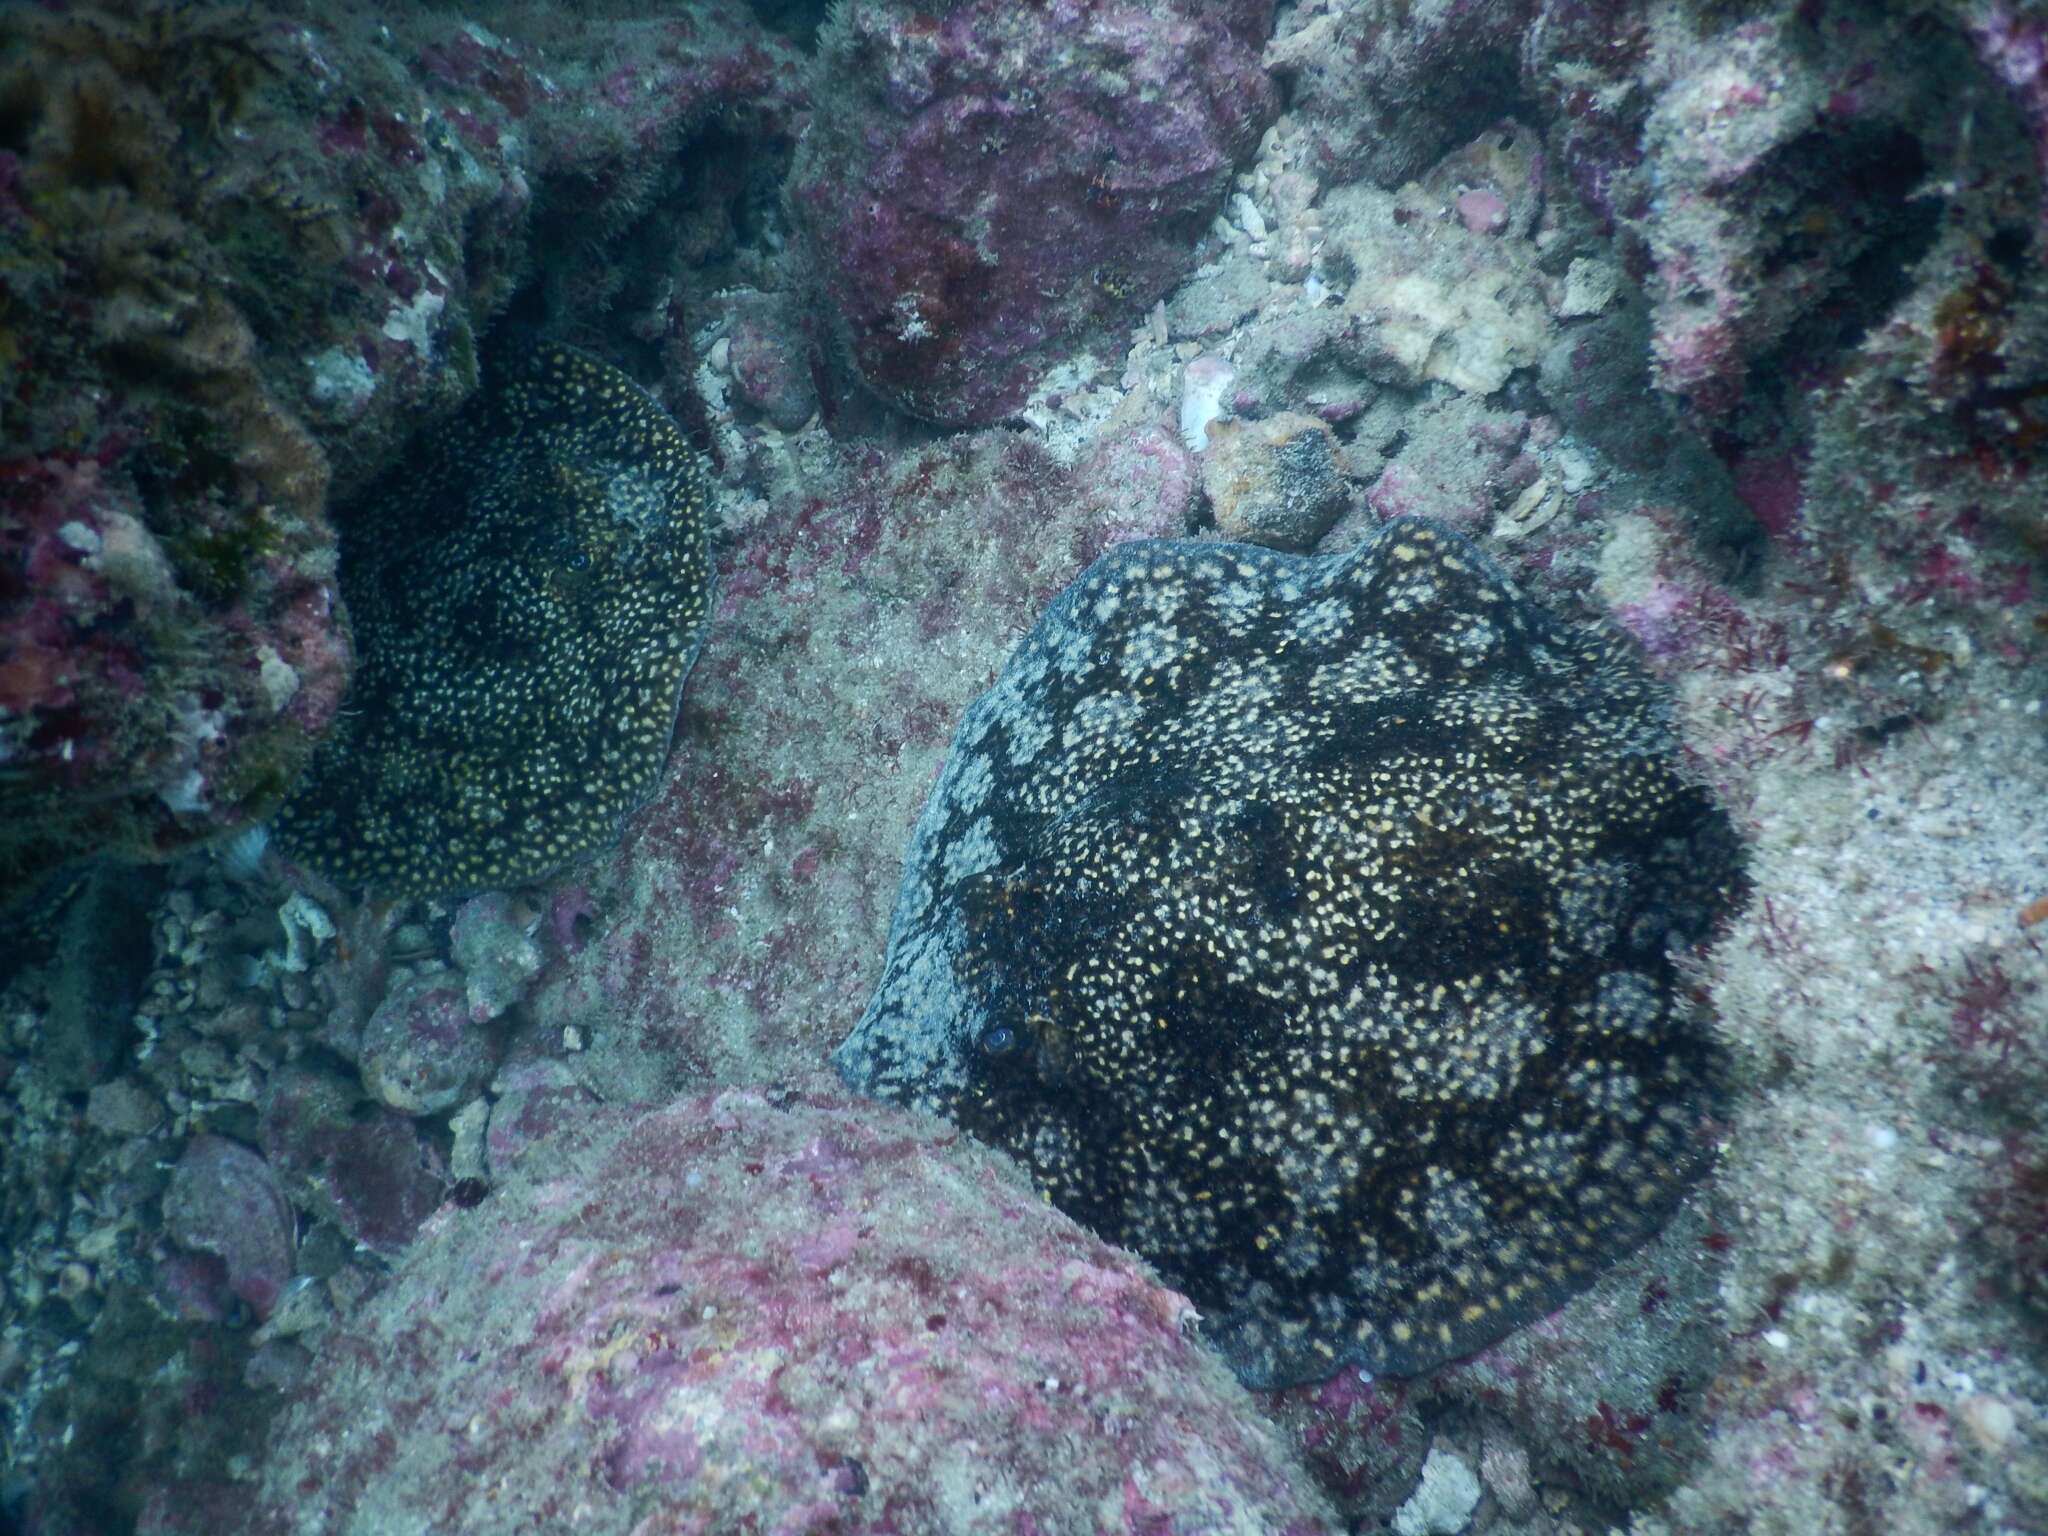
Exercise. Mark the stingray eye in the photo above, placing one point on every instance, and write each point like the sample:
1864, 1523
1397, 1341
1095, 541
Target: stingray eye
999, 1041
568, 551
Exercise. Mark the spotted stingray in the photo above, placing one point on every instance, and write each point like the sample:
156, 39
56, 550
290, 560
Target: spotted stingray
1307, 926
527, 594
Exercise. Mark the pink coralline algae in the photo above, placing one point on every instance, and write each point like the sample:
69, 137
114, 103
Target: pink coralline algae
536, 1100
225, 1201
747, 1312
983, 187
771, 367
163, 656
1363, 1440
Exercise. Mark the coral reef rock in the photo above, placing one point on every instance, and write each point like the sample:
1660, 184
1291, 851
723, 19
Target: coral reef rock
1275, 481
421, 1053
1305, 926
982, 190
244, 251
225, 1200
752, 1312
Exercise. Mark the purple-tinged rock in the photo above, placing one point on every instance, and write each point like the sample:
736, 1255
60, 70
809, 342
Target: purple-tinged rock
422, 1050
1363, 1440
192, 1287
770, 361
380, 1180
226, 1201
300, 1105
536, 1100
1145, 480
374, 1178
796, 1316
983, 188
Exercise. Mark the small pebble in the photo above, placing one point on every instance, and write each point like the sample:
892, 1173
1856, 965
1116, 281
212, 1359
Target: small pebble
493, 940
1248, 216
410, 941
1505, 1467
466, 1151
123, 1108
1275, 481
422, 1052
1443, 1502
1990, 1419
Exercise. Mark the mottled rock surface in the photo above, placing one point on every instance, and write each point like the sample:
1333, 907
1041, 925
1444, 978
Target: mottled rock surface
786, 1314
983, 189
248, 251
224, 1200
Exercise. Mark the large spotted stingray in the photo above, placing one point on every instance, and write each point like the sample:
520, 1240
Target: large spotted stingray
527, 593
1307, 926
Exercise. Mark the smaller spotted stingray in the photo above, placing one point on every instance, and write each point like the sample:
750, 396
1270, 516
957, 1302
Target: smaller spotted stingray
1307, 926
528, 593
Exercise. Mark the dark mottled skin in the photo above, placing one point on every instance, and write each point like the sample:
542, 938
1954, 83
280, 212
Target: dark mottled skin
527, 595
1306, 925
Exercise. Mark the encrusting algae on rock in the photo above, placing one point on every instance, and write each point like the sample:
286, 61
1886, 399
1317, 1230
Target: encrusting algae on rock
1306, 925
528, 595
